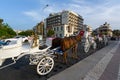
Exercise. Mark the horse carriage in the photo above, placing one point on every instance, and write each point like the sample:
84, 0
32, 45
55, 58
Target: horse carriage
101, 40
43, 58
92, 42
88, 41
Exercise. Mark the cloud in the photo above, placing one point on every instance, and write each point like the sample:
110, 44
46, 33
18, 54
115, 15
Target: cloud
80, 1
33, 14
94, 12
98, 13
82, 10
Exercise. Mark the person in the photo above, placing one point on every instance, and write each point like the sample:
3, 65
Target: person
35, 40
30, 40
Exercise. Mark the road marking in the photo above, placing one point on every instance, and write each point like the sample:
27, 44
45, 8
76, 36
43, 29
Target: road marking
97, 71
99, 68
119, 73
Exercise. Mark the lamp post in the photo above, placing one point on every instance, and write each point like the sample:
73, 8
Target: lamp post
44, 26
45, 7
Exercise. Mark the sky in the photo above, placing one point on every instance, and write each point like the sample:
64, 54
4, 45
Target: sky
25, 14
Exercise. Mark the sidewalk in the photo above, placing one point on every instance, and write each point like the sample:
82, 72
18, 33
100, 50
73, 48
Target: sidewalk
95, 67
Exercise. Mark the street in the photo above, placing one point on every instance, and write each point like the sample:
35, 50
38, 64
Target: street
23, 71
102, 65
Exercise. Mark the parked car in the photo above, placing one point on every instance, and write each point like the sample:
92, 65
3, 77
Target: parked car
3, 43
10, 39
24, 38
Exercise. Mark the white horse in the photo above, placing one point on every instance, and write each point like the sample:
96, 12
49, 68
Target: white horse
100, 40
88, 41
92, 42
85, 42
105, 40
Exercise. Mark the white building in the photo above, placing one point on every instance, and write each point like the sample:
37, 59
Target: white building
65, 23
104, 29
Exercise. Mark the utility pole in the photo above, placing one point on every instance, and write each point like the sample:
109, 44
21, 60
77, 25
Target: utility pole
44, 29
42, 25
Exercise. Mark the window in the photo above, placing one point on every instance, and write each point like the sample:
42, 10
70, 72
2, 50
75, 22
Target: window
61, 28
60, 35
57, 28
69, 29
56, 35
54, 29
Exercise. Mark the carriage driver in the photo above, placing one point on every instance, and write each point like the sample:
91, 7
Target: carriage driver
33, 40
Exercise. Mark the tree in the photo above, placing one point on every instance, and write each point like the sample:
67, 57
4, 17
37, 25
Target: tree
26, 33
50, 33
116, 32
5, 30
1, 20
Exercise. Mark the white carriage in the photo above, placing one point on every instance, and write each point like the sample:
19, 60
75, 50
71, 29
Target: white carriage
88, 41
43, 58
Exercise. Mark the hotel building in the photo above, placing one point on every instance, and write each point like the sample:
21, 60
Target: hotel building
65, 23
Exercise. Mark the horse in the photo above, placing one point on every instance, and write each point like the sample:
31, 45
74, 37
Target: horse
92, 42
65, 44
99, 41
105, 40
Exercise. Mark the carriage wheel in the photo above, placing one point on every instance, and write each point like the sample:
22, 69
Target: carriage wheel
86, 47
45, 65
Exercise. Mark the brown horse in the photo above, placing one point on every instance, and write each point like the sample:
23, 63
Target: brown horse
65, 44
56, 43
74, 47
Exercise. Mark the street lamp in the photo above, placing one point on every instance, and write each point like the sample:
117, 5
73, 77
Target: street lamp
45, 7
43, 25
